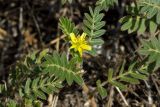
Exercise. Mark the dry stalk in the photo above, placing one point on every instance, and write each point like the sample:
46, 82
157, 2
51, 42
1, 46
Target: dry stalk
123, 98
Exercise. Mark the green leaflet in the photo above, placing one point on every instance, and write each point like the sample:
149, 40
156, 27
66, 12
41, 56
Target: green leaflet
119, 85
78, 79
39, 94
96, 41
150, 8
48, 90
41, 55
151, 49
158, 17
93, 24
93, 27
142, 27
102, 91
110, 74
137, 24
138, 76
35, 82
122, 67
152, 27
151, 13
69, 78
27, 86
59, 66
67, 26
144, 15
105, 4
98, 33
126, 25
129, 76
129, 80
39, 87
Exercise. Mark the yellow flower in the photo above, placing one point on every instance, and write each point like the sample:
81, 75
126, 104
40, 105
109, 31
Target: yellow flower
79, 43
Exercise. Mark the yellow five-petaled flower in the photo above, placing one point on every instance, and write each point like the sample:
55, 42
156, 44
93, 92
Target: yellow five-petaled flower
79, 43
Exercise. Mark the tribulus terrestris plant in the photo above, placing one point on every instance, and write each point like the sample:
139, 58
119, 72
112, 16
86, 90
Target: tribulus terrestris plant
44, 73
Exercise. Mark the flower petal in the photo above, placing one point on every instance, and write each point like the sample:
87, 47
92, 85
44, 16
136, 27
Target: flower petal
86, 47
73, 46
80, 51
73, 37
83, 36
79, 43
